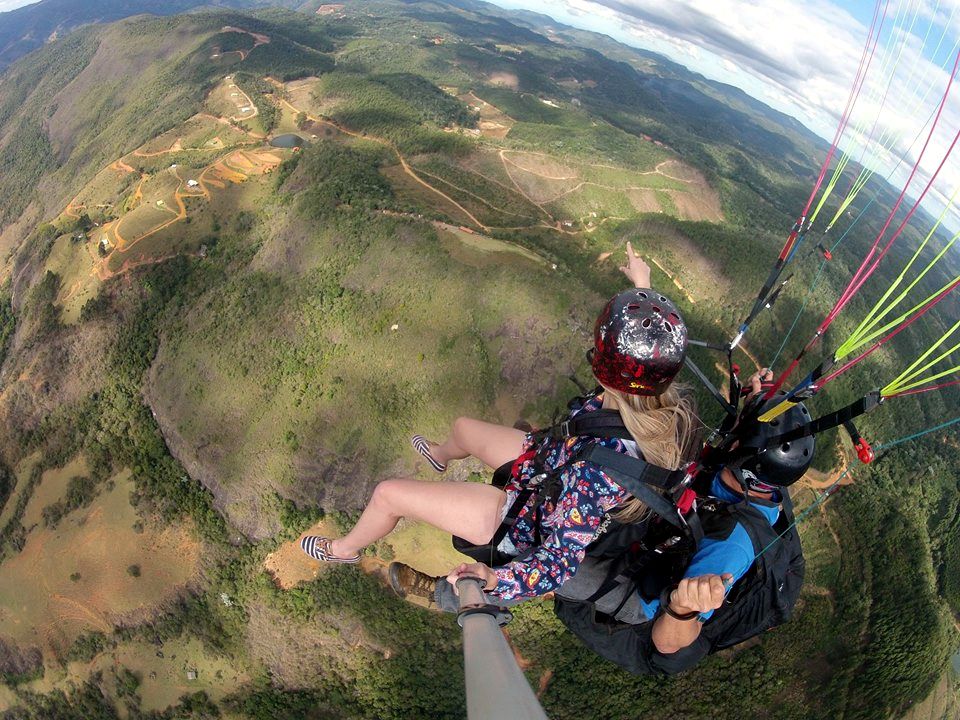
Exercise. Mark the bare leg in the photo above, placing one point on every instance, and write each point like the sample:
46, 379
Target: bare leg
490, 443
470, 510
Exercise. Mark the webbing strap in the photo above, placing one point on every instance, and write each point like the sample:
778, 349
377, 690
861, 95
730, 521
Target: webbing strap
637, 476
855, 409
511, 517
635, 468
711, 388
598, 423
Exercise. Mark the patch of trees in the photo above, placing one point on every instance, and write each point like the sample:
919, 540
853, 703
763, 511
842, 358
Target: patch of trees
340, 175
8, 325
85, 702
295, 519
26, 156
123, 430
423, 676
294, 26
886, 598
40, 309
269, 702
13, 535
192, 616
81, 491
86, 647
255, 88
434, 104
371, 107
286, 61
231, 41
8, 482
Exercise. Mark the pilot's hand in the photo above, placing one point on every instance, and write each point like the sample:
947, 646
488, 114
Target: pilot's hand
699, 594
756, 381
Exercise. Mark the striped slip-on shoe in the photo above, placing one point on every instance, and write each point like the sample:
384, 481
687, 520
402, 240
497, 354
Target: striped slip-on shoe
422, 446
319, 549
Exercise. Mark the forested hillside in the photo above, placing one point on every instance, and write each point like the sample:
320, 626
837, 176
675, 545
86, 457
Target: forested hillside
246, 255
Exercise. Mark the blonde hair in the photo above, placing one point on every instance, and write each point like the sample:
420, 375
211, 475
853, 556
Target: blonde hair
665, 429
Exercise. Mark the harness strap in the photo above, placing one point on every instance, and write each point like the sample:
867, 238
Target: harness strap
868, 402
513, 513
597, 423
636, 476
635, 468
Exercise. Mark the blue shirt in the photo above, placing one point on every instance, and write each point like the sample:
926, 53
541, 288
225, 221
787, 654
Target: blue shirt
733, 554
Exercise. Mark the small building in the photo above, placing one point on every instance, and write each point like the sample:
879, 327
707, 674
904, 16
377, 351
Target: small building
245, 108
191, 675
192, 183
173, 166
104, 245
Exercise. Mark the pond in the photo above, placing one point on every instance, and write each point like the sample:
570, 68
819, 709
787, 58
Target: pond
289, 140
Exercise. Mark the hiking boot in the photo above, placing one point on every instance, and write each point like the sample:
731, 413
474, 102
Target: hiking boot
406, 581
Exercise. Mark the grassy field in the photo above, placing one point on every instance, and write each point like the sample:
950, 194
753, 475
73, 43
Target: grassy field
263, 382
73, 262
53, 485
75, 578
23, 471
479, 251
162, 671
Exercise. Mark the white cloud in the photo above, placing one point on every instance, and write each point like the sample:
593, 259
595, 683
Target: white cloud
7, 5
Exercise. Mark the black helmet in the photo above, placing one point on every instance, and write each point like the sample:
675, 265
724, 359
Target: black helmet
781, 464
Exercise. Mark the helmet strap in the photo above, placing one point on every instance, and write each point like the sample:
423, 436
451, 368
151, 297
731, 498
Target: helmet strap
750, 482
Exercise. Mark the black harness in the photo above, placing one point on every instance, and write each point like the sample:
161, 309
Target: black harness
651, 484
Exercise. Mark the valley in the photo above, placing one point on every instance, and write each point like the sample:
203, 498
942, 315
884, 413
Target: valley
238, 278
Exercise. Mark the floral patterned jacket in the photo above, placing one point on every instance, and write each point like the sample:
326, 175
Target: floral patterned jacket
566, 526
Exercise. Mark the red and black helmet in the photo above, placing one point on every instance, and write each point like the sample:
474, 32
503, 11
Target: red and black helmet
640, 341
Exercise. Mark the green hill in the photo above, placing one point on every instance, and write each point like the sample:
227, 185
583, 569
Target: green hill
240, 338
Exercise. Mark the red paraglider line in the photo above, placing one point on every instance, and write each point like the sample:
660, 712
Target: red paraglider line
863, 273
866, 58
917, 391
900, 328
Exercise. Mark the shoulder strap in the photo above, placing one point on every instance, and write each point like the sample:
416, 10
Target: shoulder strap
596, 423
637, 476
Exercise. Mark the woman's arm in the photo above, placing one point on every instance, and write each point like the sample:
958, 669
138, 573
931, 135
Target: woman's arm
636, 270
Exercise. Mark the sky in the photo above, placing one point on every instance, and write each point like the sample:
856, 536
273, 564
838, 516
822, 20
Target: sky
14, 4
802, 57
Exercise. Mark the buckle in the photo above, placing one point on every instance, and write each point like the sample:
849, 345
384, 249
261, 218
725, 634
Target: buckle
565, 429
